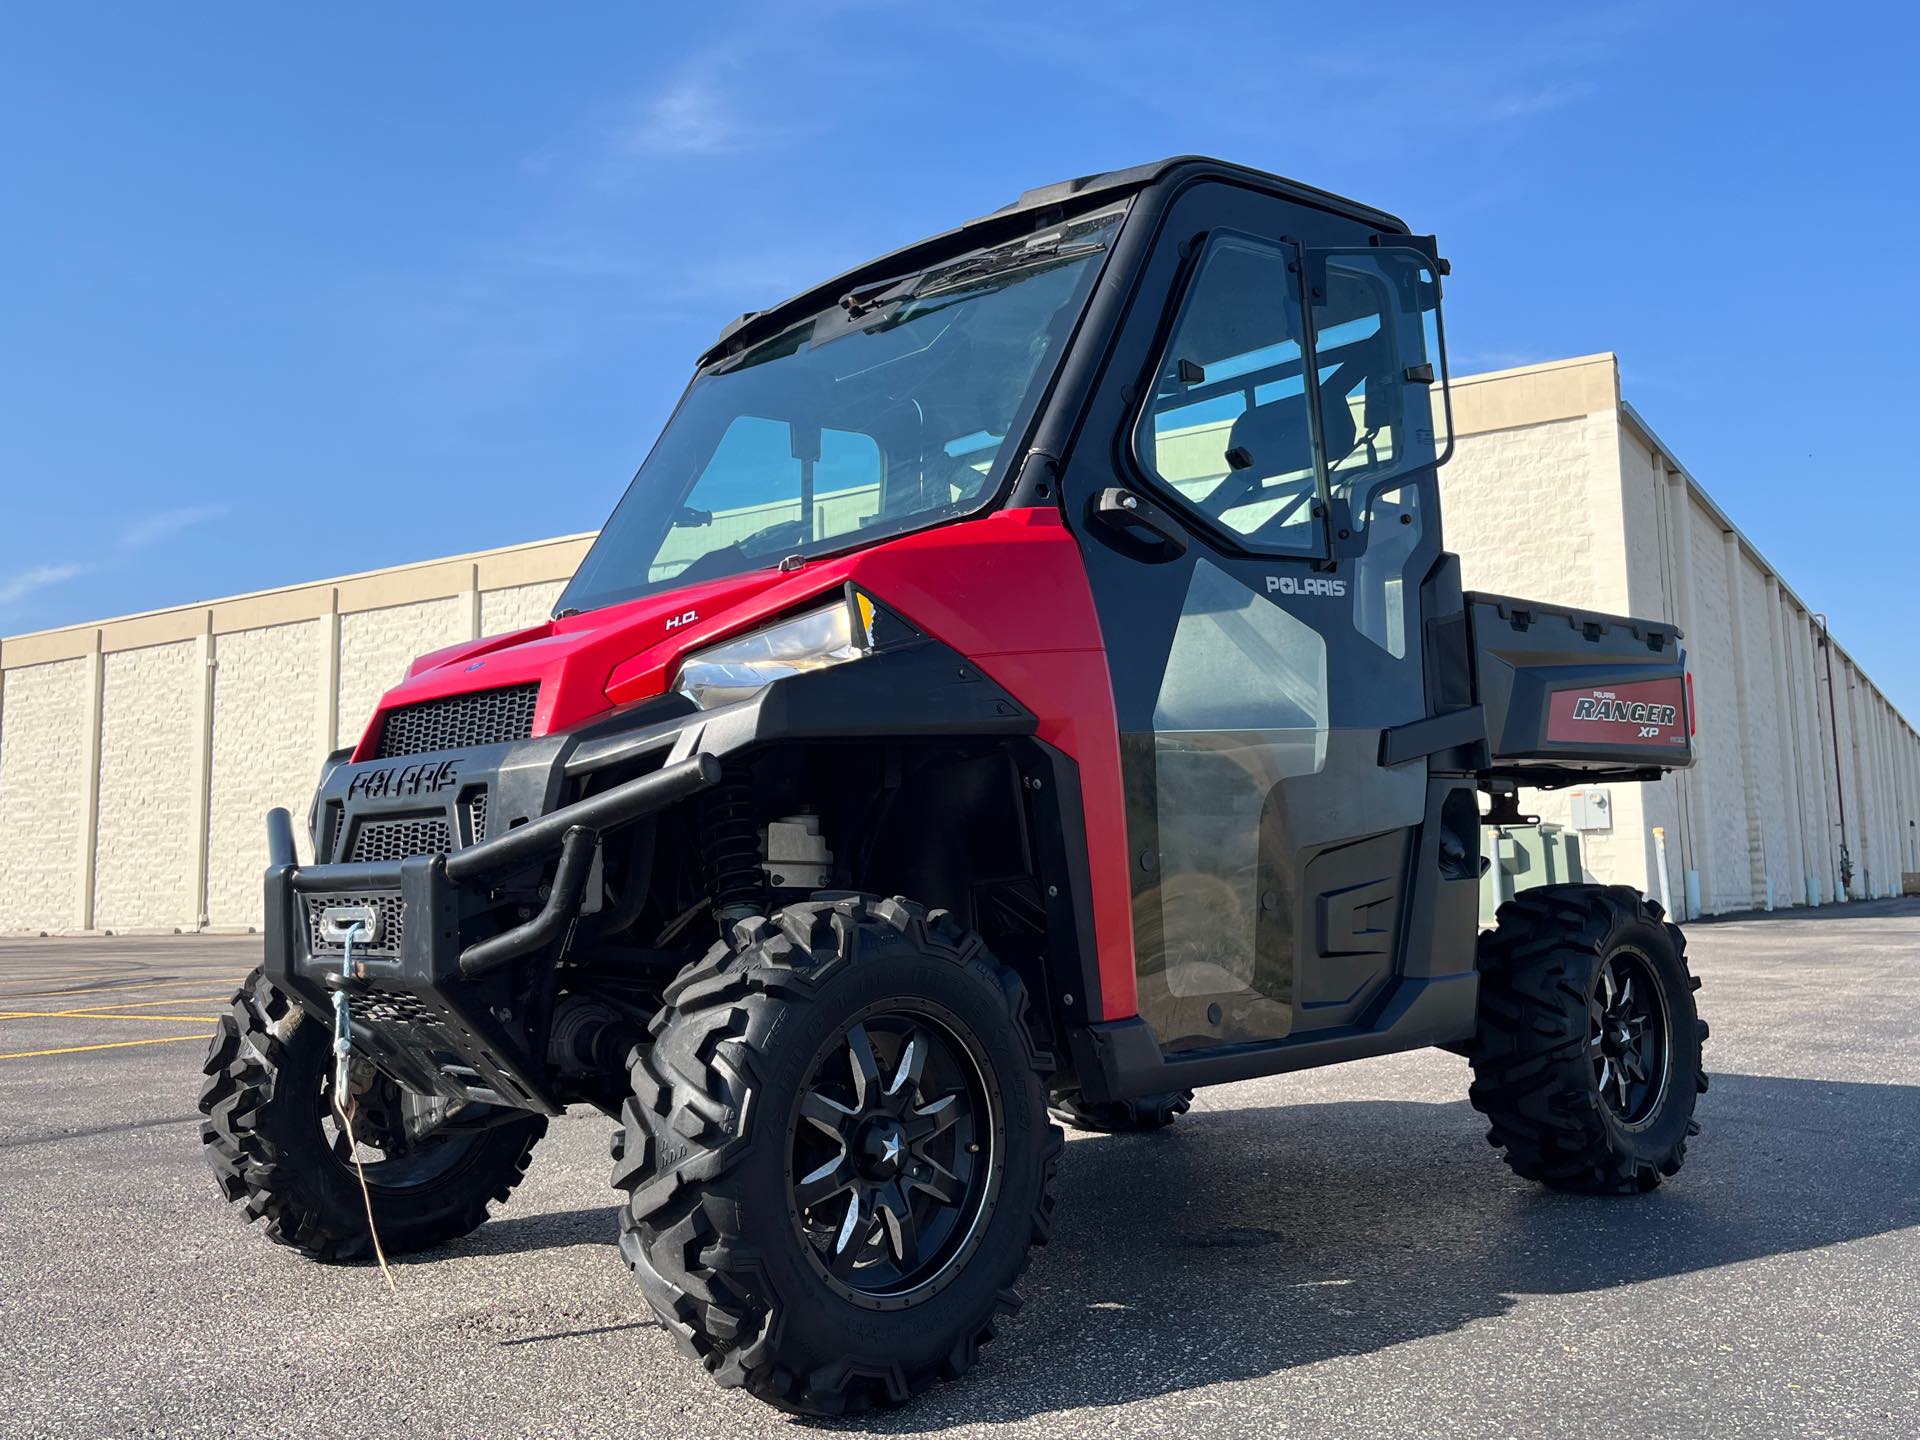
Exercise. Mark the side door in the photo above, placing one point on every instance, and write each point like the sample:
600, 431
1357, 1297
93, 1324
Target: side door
1256, 538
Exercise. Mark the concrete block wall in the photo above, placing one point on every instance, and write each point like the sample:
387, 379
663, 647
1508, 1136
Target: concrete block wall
517, 607
43, 762
1521, 509
267, 742
144, 864
139, 756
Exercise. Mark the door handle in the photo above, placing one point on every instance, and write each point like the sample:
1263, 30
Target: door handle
1130, 516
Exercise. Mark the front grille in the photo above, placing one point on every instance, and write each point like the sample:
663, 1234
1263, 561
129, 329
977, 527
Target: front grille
477, 816
396, 1007
378, 840
392, 921
329, 831
485, 717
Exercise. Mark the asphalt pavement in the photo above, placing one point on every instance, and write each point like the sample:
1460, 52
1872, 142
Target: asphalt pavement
1337, 1253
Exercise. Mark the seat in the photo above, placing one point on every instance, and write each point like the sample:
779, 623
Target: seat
1274, 436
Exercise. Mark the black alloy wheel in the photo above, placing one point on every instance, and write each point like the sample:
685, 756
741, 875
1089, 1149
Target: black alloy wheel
1587, 1059
1630, 1049
394, 1139
278, 1150
836, 1155
893, 1155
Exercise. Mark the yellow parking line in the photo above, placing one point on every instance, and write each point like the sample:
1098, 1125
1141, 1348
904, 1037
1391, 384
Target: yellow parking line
110, 1045
93, 1015
161, 1000
107, 990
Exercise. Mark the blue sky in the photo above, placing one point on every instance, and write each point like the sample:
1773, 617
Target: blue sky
288, 291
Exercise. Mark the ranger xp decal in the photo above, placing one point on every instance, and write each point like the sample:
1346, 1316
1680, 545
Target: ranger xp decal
1649, 712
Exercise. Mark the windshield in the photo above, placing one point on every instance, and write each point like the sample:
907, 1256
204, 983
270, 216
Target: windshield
889, 412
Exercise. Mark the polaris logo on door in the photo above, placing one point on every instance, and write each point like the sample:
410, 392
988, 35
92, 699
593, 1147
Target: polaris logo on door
1305, 585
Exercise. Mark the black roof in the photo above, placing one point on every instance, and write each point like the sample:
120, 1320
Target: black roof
1008, 222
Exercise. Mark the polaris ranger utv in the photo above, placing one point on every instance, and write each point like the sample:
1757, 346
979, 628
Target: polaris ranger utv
1025, 675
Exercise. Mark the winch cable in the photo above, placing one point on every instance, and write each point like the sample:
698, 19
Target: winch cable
343, 1104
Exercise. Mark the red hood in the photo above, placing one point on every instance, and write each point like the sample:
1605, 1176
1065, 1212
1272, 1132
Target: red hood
573, 660
588, 664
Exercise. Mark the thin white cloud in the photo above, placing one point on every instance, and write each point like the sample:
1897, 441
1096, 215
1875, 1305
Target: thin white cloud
39, 577
1520, 104
164, 525
691, 116
141, 533
1448, 75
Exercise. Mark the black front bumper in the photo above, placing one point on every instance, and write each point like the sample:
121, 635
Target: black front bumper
431, 1006
435, 1002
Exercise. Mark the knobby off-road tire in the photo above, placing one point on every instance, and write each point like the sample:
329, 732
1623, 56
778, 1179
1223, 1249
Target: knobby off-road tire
264, 1101
1121, 1117
757, 1265
1577, 982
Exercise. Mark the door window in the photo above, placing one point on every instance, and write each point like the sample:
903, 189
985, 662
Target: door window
1379, 365
1227, 429
1242, 709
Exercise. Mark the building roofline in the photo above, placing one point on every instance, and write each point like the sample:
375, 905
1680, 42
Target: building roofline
1768, 570
1537, 367
1569, 389
413, 582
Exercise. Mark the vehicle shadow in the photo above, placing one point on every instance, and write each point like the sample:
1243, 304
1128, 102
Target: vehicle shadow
511, 1234
1246, 1242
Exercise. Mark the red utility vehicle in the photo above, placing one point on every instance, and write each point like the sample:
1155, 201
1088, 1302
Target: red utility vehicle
1025, 674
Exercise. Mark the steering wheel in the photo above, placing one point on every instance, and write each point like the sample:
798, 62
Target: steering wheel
776, 536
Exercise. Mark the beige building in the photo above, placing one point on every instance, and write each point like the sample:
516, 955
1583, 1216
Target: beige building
138, 755
1560, 491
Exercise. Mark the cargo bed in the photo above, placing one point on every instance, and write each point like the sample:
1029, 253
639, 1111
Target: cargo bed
1574, 696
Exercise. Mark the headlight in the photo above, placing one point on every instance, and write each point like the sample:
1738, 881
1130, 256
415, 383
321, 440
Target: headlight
737, 668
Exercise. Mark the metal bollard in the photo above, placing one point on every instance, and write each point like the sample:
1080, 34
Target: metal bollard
1660, 861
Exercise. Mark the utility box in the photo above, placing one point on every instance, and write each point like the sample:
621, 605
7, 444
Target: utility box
1574, 695
1592, 808
1523, 856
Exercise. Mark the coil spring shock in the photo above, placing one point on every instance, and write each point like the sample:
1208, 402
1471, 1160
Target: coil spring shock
730, 851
